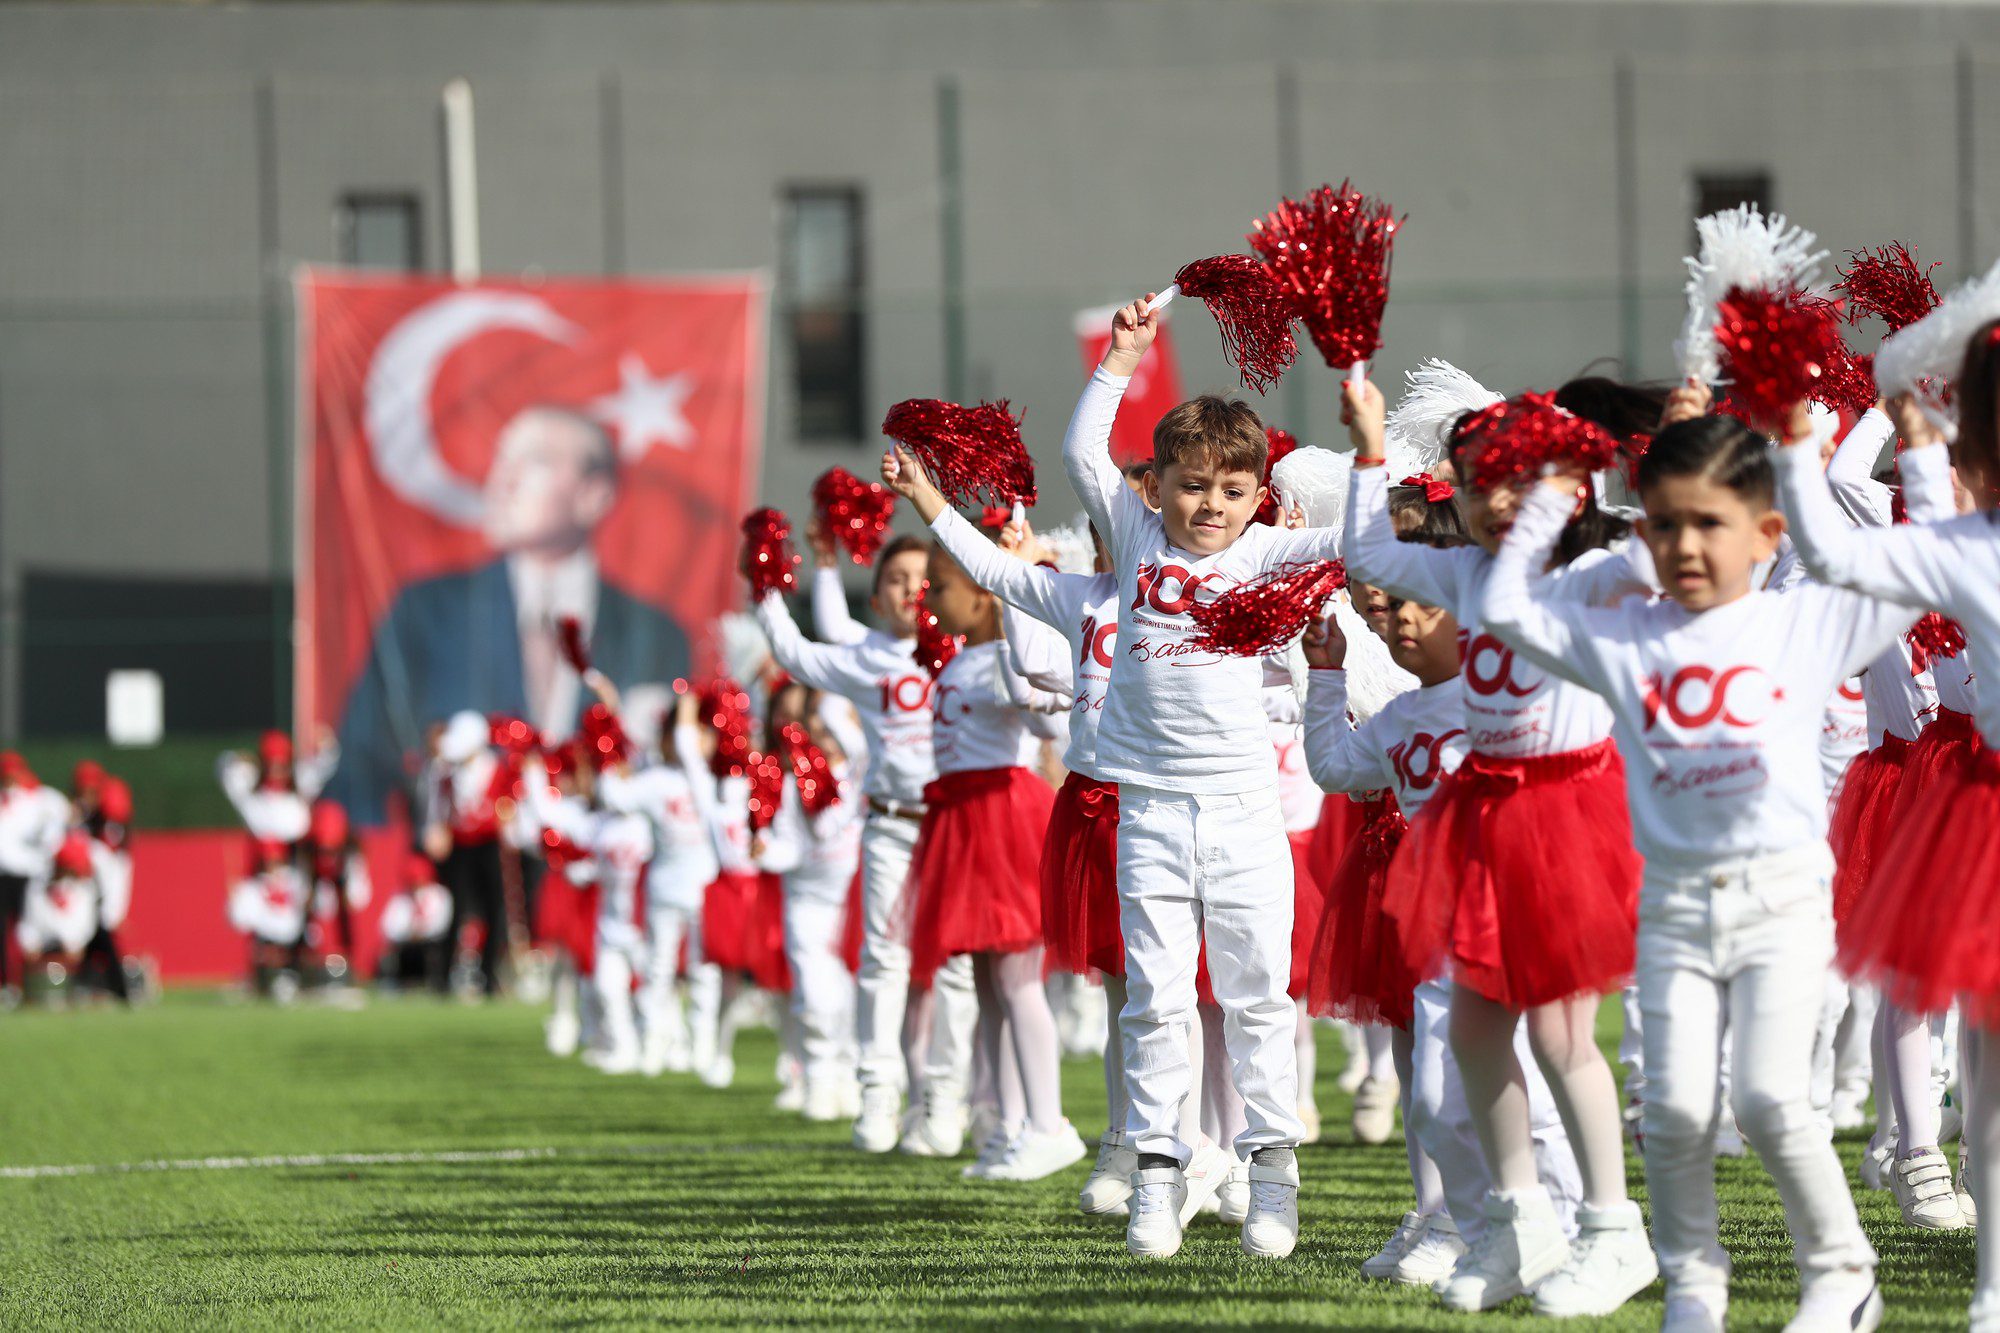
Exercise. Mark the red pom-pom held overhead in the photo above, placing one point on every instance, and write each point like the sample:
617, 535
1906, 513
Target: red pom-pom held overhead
935, 648
1777, 349
1887, 284
1250, 309
1278, 443
1524, 437
818, 787
1266, 613
1933, 637
725, 707
855, 513
1330, 255
971, 453
767, 789
769, 560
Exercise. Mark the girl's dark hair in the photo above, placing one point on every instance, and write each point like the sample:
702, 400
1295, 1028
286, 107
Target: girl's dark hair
1592, 530
1435, 523
1719, 447
1978, 447
1623, 409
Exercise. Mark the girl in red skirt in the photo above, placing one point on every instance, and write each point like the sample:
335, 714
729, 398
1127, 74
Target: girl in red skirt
1520, 876
975, 875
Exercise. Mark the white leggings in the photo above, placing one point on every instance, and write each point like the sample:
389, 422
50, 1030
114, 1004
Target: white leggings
1017, 1039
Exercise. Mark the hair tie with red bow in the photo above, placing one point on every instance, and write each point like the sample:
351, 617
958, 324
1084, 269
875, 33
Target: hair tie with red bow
996, 517
1437, 491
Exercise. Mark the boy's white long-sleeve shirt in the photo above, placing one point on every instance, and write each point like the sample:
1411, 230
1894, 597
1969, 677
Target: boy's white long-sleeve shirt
1952, 566
880, 676
1513, 709
679, 800
1174, 718
979, 725
1717, 713
1411, 742
1080, 607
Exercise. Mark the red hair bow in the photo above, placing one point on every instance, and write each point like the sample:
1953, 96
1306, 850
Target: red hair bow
1436, 491
996, 517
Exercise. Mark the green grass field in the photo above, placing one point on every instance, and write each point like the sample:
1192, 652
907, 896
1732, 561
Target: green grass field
646, 1202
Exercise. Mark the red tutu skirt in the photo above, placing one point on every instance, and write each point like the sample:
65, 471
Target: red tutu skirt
975, 881
1519, 876
1357, 969
1340, 822
1928, 929
728, 909
1950, 742
566, 918
1308, 902
769, 968
1080, 879
1862, 821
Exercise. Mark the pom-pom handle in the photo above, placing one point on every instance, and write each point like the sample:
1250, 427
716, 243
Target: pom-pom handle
1164, 299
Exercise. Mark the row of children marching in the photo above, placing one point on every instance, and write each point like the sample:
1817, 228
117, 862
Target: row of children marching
1605, 763
65, 881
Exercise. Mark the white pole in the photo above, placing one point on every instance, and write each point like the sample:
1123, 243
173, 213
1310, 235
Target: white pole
461, 181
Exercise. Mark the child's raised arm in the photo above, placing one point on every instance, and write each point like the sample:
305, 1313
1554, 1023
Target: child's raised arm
1545, 628
1851, 471
1913, 564
1337, 755
1087, 443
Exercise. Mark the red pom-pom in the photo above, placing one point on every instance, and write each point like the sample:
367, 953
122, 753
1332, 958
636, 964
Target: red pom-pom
971, 453
818, 787
769, 560
1848, 382
855, 513
511, 736
767, 789
1521, 438
1251, 310
1933, 637
1777, 348
572, 643
1330, 255
1268, 612
725, 707
604, 739
114, 802
1278, 443
1887, 284
935, 648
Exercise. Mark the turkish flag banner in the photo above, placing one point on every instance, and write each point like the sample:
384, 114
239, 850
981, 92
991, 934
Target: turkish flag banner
479, 463
1155, 387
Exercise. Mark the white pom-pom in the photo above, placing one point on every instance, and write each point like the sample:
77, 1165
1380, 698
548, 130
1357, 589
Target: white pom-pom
745, 650
1070, 546
1435, 395
1372, 678
1739, 247
1924, 357
1316, 481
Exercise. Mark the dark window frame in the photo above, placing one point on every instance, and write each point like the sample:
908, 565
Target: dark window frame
828, 340
1725, 187
351, 203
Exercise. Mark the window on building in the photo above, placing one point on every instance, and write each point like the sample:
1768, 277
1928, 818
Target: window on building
821, 288
379, 231
1715, 191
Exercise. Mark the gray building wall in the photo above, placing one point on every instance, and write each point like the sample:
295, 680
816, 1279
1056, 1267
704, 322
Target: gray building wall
163, 169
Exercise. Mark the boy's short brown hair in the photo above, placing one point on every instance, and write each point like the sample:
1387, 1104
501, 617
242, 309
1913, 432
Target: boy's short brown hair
1214, 432
902, 544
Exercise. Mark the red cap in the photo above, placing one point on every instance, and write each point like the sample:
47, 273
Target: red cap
275, 747
87, 778
115, 801
73, 857
329, 825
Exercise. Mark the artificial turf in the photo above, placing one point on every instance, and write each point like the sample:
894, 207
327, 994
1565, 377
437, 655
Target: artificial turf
651, 1201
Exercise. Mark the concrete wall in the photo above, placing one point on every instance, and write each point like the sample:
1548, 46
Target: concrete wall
161, 170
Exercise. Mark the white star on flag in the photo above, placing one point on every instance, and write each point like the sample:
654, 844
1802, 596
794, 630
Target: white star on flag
644, 410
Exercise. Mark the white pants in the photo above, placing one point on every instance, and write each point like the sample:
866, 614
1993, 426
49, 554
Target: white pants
622, 955
822, 991
883, 987
1214, 868
1442, 1122
660, 1010
1745, 946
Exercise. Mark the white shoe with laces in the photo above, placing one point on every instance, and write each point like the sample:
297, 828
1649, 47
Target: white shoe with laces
1110, 1183
1610, 1262
1271, 1231
1435, 1255
1382, 1263
1034, 1156
1202, 1177
1702, 1311
1153, 1226
938, 1129
1843, 1301
1232, 1197
1523, 1243
993, 1153
875, 1128
1924, 1191
1375, 1110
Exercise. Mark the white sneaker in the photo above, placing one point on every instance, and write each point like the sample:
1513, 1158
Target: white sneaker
1272, 1228
1965, 1204
1843, 1301
1522, 1244
701, 1053
1923, 1188
618, 1060
676, 1060
1207, 1168
720, 1072
1382, 1263
562, 1033
791, 1096
1610, 1262
876, 1127
1696, 1311
1375, 1109
1110, 1183
1035, 1156
1849, 1111
1875, 1162
1435, 1255
1232, 1197
1153, 1226
938, 1130
993, 1154
825, 1101
1309, 1117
